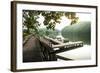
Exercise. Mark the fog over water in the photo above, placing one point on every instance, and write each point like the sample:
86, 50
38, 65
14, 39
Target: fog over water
81, 53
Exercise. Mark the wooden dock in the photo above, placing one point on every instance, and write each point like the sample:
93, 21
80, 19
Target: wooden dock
68, 45
63, 46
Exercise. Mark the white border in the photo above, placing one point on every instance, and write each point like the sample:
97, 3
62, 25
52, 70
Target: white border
21, 65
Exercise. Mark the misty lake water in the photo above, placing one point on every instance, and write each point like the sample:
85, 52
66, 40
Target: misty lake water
81, 53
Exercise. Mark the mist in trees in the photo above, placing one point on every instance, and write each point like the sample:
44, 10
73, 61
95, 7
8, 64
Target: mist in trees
78, 32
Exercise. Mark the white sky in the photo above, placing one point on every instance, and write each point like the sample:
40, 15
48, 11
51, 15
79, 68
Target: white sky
66, 22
